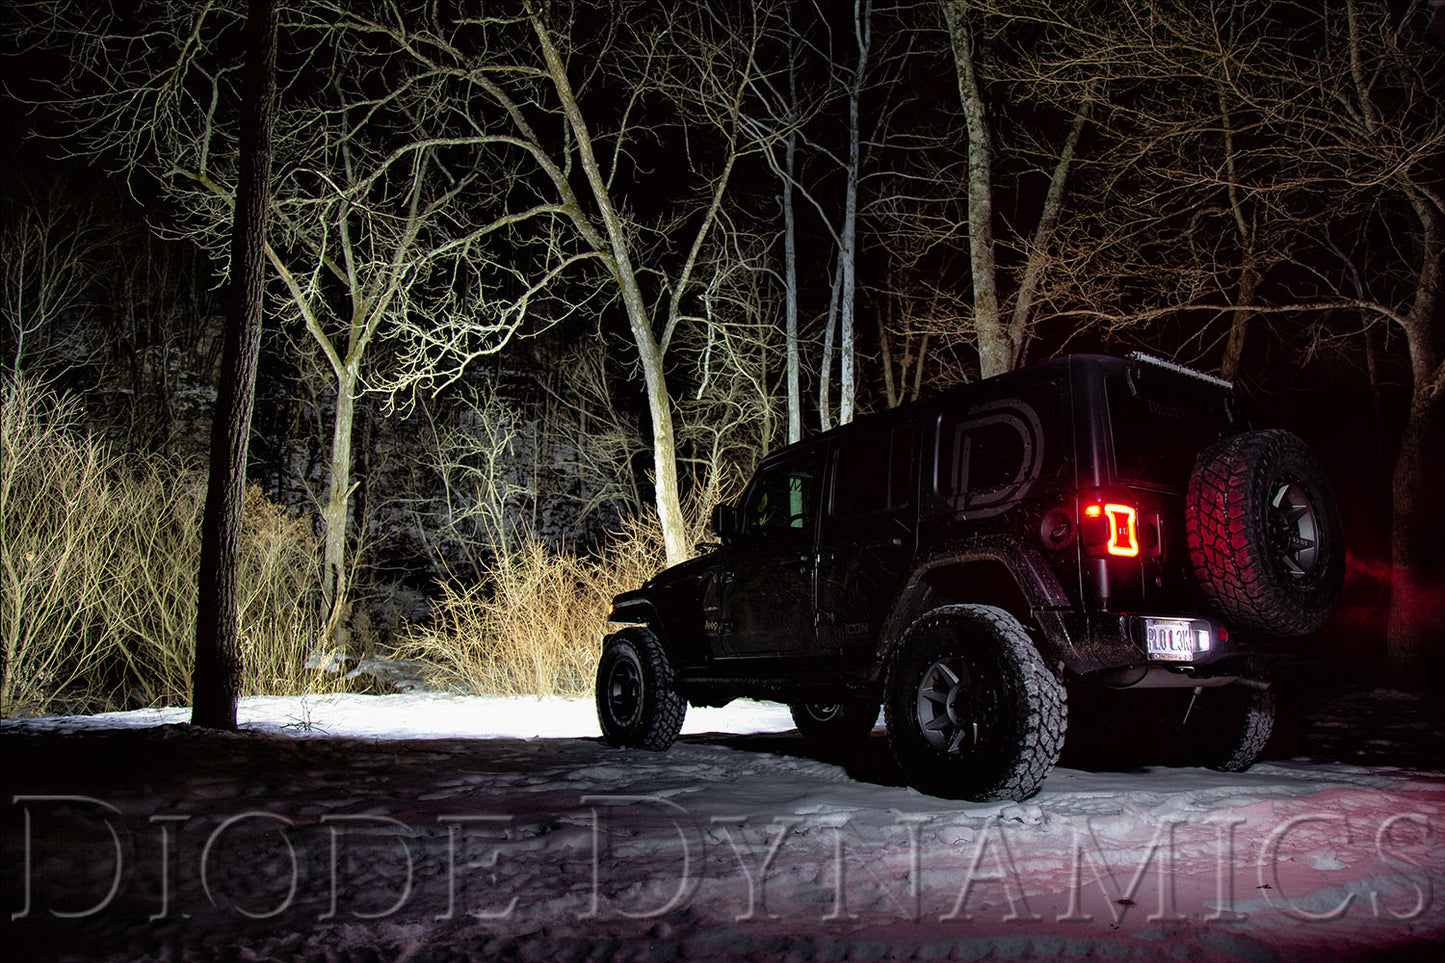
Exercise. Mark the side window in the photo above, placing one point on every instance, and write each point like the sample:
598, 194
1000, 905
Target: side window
872, 473
781, 501
990, 455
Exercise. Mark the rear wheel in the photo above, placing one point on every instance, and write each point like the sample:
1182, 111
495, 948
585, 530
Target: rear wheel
1232, 725
973, 712
637, 704
835, 722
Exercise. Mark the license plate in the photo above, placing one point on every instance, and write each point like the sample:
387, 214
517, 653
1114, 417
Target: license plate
1172, 641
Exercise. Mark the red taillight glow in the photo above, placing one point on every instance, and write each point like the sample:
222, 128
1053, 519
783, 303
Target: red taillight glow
1113, 529
1123, 530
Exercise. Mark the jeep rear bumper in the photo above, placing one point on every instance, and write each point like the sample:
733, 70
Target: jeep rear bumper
1132, 642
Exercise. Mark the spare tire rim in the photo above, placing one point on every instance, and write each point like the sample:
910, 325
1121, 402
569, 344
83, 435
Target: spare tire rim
1294, 529
947, 706
624, 690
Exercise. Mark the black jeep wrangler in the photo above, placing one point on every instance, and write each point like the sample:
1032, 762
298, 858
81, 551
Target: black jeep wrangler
1093, 522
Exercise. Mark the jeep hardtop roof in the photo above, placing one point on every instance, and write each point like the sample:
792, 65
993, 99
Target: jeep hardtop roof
1084, 371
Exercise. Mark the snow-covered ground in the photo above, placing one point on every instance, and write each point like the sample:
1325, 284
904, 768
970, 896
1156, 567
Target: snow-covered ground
425, 826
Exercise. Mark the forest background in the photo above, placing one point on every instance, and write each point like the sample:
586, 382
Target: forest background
547, 279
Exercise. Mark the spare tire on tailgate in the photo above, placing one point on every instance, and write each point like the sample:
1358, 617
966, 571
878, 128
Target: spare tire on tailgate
1264, 533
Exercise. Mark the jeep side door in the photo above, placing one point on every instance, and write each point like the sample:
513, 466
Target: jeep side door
760, 602
867, 541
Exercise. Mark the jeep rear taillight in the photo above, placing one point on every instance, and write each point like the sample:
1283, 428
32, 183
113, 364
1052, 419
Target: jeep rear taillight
1109, 528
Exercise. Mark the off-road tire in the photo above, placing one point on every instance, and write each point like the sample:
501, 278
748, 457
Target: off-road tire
1233, 724
835, 723
638, 706
1264, 534
972, 711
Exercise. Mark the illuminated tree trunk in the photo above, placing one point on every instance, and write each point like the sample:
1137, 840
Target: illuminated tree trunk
790, 291
1001, 341
848, 236
995, 354
337, 509
616, 240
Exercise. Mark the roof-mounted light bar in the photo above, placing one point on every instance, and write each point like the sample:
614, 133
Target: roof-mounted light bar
1179, 369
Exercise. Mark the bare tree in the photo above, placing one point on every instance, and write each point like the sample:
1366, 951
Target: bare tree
375, 192
1003, 337
903, 347
876, 73
1165, 220
776, 114
1374, 139
732, 419
486, 480
848, 233
524, 94
51, 241
832, 102
597, 429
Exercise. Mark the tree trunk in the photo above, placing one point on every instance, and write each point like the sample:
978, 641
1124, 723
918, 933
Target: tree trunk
664, 453
918, 367
825, 366
1234, 348
650, 349
217, 679
848, 267
848, 237
1249, 275
885, 350
1020, 329
335, 514
790, 292
995, 353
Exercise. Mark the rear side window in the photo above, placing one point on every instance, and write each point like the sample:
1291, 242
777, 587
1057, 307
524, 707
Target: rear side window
992, 454
872, 473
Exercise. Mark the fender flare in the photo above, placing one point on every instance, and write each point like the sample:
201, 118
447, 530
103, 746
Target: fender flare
1025, 564
635, 607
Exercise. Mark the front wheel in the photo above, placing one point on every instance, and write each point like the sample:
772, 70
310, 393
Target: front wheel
972, 711
638, 706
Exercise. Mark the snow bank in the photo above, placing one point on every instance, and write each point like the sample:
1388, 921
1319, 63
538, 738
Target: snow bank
428, 715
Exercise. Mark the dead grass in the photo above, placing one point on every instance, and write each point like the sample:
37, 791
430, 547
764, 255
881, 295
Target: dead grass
534, 624
98, 562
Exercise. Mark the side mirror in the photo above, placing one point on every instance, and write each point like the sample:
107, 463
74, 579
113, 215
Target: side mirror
724, 523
